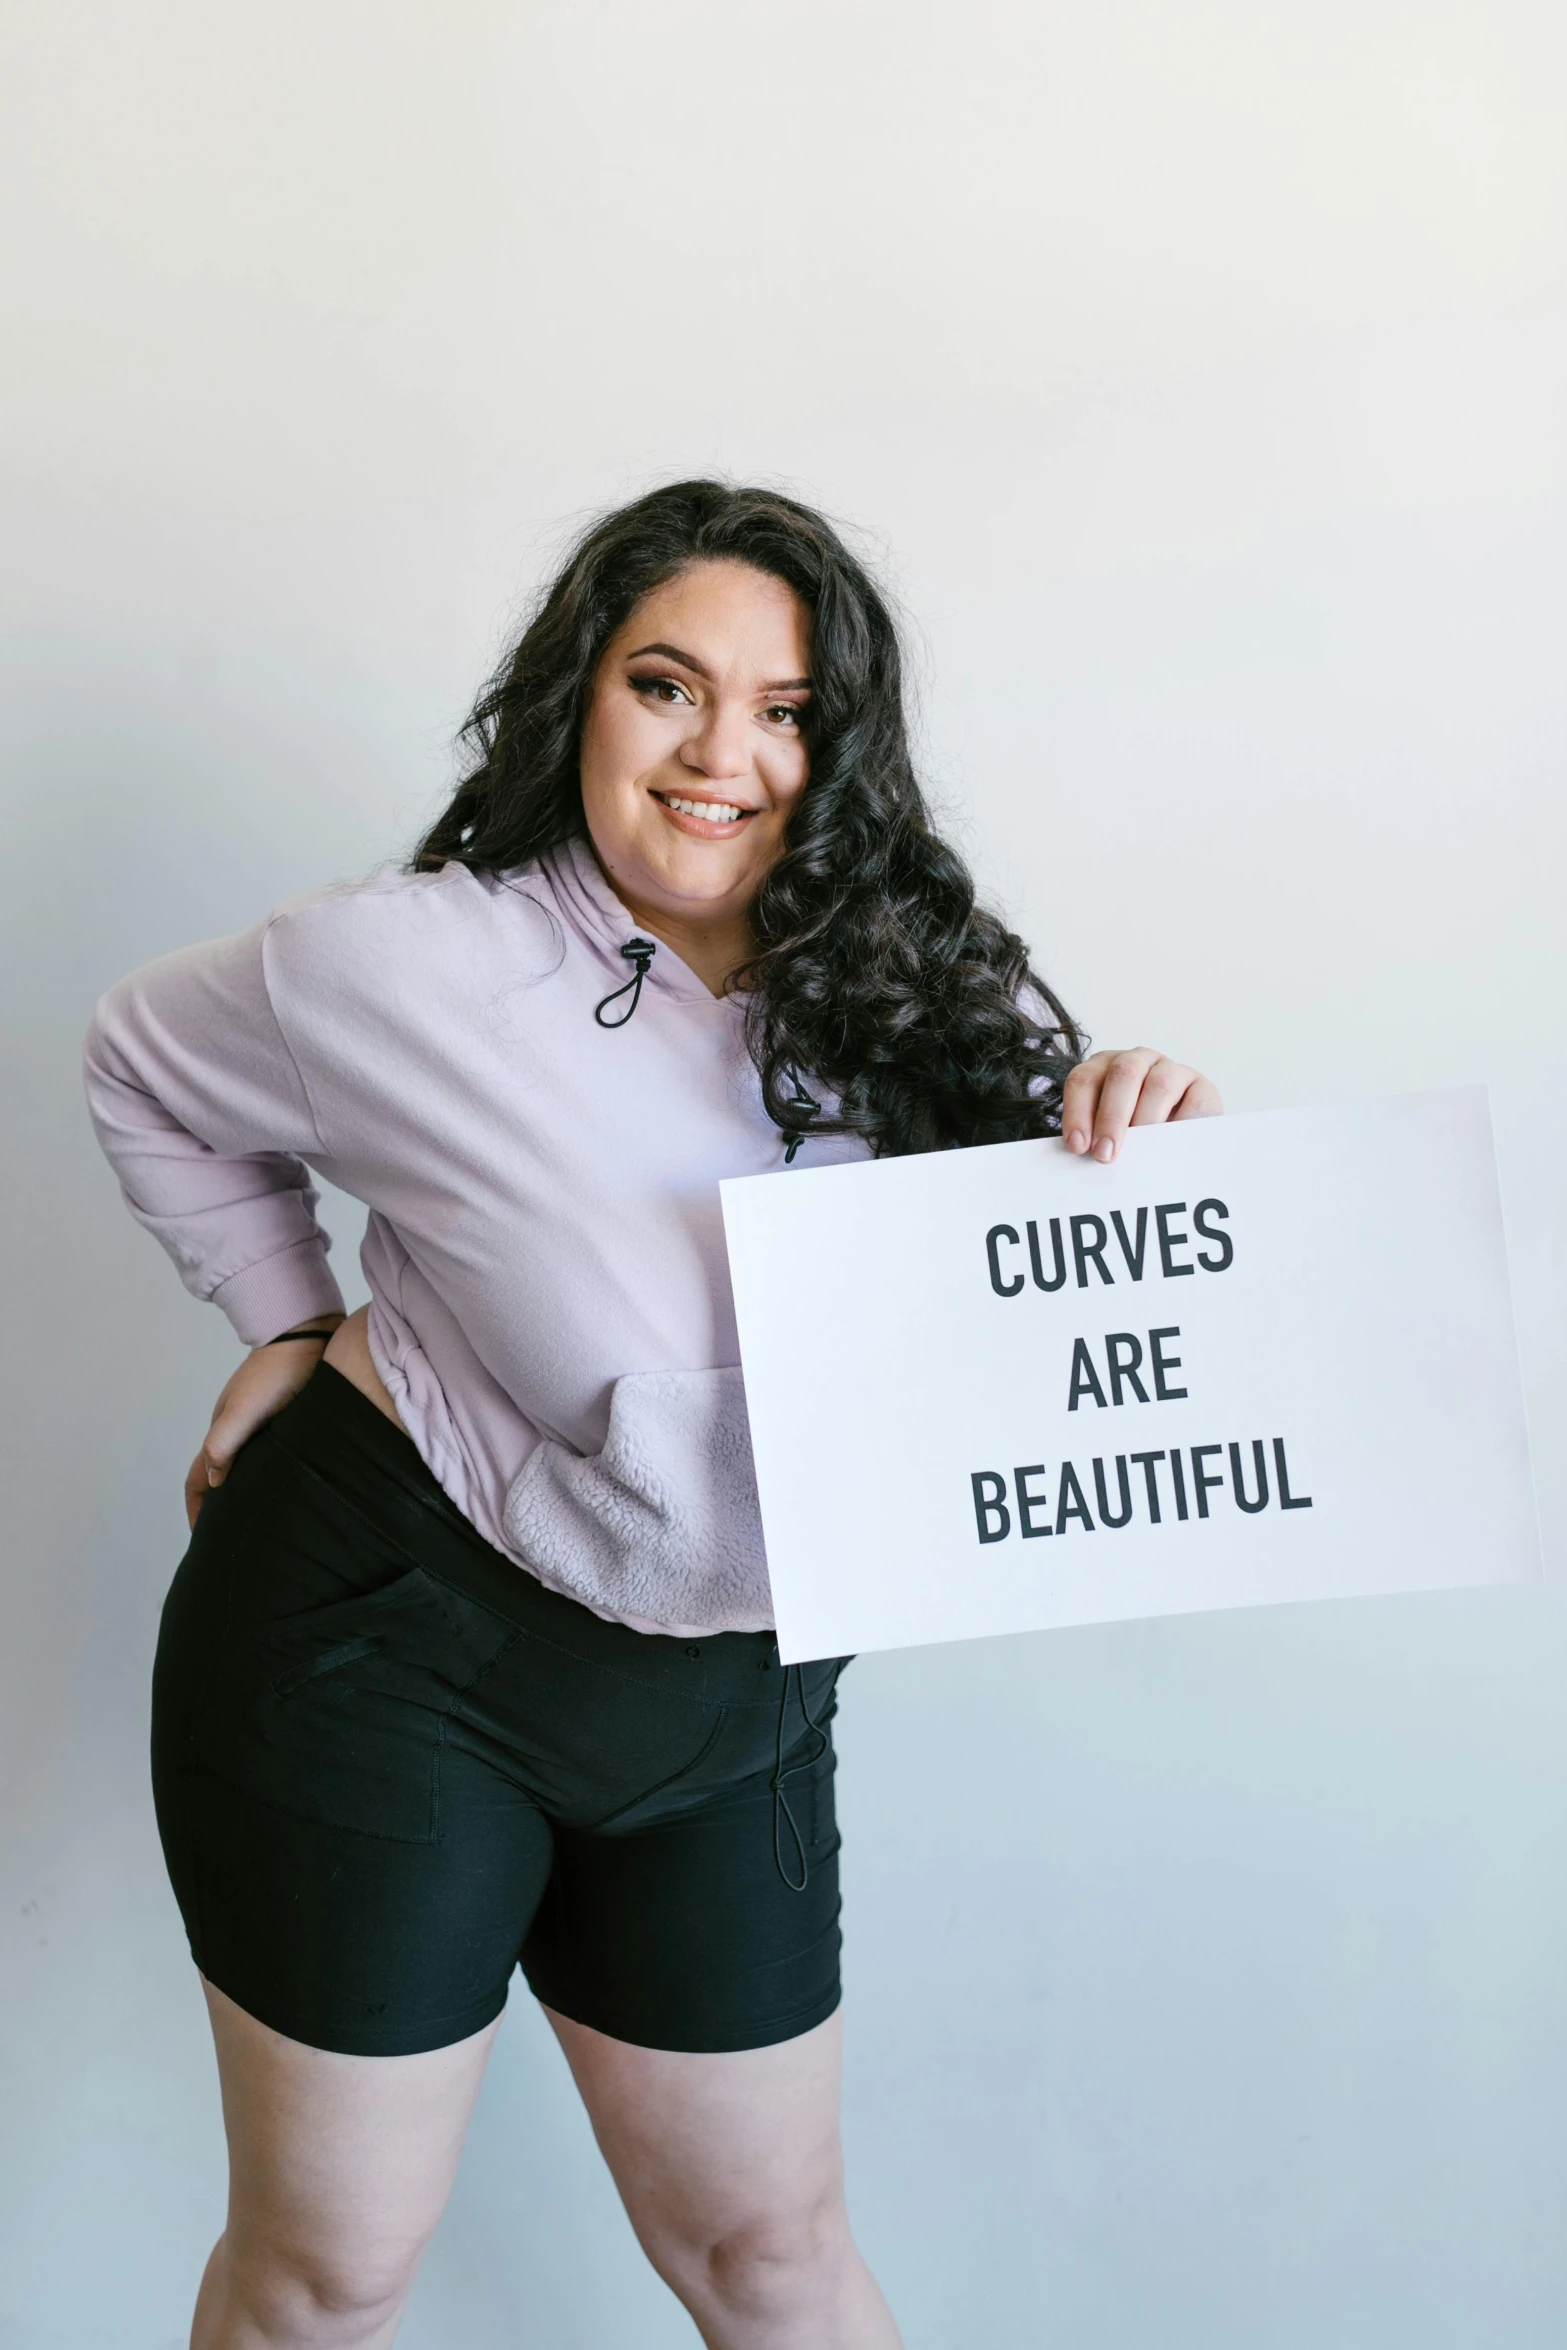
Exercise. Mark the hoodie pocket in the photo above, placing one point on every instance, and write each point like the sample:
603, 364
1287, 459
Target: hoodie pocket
663, 1523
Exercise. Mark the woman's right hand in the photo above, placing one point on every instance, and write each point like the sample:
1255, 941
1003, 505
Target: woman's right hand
269, 1377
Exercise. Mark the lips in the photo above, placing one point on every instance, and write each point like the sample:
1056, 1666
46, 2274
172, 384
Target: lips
713, 815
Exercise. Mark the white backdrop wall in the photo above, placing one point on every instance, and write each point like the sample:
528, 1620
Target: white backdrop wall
1199, 377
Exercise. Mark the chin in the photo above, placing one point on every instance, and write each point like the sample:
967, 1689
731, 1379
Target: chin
697, 883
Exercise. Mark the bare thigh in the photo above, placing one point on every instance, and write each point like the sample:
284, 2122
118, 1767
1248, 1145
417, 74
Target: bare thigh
731, 2171
339, 2168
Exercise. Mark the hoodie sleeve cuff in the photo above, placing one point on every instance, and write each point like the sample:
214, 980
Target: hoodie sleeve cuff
279, 1292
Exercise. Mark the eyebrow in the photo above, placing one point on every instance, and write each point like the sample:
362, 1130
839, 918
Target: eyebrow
779, 685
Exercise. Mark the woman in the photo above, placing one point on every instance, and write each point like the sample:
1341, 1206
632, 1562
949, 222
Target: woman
469, 1660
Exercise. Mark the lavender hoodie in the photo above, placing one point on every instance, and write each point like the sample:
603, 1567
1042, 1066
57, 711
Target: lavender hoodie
550, 1302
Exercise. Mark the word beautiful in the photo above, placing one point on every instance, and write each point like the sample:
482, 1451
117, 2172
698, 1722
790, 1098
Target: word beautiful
1021, 1500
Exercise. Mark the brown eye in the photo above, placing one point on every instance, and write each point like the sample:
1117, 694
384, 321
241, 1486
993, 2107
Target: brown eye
785, 714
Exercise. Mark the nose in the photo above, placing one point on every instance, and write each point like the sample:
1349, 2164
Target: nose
720, 748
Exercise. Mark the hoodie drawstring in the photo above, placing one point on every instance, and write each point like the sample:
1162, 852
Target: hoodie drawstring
799, 1100
640, 952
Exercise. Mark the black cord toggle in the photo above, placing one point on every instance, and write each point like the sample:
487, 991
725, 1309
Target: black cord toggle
799, 1100
640, 952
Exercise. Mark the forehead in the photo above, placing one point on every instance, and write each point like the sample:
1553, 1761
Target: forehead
736, 620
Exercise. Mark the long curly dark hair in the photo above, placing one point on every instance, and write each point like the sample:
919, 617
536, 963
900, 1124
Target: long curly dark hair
877, 979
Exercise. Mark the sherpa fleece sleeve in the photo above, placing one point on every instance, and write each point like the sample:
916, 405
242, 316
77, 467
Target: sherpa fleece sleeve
202, 1113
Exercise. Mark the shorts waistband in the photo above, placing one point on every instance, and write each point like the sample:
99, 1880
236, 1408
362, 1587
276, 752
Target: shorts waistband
376, 1467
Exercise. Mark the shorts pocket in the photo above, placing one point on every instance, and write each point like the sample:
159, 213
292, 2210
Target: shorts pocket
339, 1713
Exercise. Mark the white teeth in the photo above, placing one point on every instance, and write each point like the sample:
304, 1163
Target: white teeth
715, 811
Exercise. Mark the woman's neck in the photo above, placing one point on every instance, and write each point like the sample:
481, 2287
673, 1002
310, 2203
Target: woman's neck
711, 953
712, 947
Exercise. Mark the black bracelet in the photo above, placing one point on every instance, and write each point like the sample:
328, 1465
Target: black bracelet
284, 1336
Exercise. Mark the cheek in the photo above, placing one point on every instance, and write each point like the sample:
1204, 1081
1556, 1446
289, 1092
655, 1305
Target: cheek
618, 745
786, 769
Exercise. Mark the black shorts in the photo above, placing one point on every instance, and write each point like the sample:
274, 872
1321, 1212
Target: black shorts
390, 1766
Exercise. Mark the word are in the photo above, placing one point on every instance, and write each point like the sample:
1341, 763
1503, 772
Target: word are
1090, 1240
999, 1503
1123, 1369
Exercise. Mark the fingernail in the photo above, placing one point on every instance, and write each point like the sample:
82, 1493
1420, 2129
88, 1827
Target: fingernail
213, 1474
1104, 1150
1077, 1140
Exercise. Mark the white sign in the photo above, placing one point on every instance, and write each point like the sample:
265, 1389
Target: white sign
1257, 1358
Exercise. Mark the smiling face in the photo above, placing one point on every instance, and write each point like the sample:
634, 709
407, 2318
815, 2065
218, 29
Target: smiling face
693, 755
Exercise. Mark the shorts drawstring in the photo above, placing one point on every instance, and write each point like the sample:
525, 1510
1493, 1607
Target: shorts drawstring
781, 1811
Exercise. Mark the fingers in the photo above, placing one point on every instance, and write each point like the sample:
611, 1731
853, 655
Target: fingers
1112, 1091
1163, 1089
229, 1430
1078, 1098
209, 1468
224, 1438
256, 1394
266, 1380
1201, 1099
1100, 1097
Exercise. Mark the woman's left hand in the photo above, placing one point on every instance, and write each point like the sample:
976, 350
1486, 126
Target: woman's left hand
1111, 1091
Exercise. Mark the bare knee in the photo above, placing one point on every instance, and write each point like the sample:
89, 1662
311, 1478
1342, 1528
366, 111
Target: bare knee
296, 2298
772, 2265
